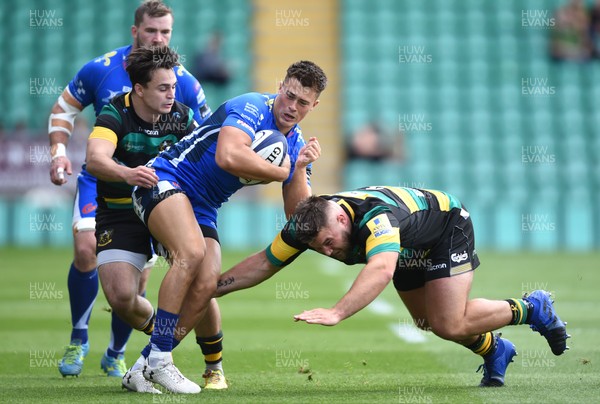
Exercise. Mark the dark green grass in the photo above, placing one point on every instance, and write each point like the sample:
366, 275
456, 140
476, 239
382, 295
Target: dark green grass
271, 359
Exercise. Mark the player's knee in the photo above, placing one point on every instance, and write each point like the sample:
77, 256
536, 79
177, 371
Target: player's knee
121, 301
85, 253
189, 261
448, 330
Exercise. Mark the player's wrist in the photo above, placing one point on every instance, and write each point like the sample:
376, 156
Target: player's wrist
58, 150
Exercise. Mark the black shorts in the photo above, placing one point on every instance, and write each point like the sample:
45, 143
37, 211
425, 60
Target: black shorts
122, 237
452, 255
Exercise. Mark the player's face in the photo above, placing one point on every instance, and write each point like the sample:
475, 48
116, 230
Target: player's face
158, 96
333, 240
292, 104
153, 31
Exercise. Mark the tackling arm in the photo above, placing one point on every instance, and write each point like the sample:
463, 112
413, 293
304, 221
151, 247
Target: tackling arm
101, 165
250, 272
369, 283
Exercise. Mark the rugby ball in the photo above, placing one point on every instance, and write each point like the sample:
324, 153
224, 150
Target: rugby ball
271, 146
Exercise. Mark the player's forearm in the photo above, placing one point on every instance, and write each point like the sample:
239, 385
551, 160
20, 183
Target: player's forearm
296, 191
105, 168
247, 164
250, 272
371, 281
58, 137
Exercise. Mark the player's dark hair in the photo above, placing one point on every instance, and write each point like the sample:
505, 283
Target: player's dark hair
309, 218
153, 8
143, 62
308, 74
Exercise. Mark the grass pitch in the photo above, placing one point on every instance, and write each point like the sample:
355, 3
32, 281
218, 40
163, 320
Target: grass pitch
270, 359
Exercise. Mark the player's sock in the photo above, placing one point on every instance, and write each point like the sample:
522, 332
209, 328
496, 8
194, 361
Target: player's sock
175, 342
148, 326
146, 351
83, 289
164, 330
520, 311
212, 348
484, 344
119, 334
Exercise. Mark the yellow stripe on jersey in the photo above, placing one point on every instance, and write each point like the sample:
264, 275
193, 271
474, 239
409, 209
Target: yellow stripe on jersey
442, 198
101, 132
118, 201
280, 251
127, 99
347, 205
406, 198
384, 237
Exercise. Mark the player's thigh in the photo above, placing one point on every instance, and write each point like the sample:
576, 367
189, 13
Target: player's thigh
416, 304
447, 300
119, 281
173, 224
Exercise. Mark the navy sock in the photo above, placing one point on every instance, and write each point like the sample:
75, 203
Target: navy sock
164, 330
175, 342
83, 289
119, 334
146, 351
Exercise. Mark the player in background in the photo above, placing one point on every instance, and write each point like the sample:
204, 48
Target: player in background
423, 241
196, 176
129, 131
97, 83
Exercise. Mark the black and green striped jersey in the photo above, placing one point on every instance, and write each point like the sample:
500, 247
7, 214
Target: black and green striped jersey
383, 219
136, 141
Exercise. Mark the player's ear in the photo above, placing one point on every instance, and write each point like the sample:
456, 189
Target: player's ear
139, 89
315, 104
134, 30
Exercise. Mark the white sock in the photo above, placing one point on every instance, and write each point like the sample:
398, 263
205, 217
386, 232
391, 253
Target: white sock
157, 357
139, 364
215, 366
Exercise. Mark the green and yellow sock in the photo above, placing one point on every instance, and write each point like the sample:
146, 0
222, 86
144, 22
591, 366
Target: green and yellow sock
483, 345
520, 310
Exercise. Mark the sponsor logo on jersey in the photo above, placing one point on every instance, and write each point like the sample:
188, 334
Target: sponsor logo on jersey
88, 208
244, 124
459, 257
437, 266
380, 226
251, 109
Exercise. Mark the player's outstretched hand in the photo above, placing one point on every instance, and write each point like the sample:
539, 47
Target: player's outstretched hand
319, 316
58, 168
309, 153
141, 176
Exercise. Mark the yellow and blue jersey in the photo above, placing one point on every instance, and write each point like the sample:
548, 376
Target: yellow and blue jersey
192, 160
394, 219
104, 77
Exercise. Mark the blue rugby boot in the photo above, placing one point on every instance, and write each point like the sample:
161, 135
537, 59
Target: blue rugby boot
113, 367
496, 362
71, 363
543, 319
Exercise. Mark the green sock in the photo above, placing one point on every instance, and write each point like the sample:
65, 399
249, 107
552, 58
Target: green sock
519, 309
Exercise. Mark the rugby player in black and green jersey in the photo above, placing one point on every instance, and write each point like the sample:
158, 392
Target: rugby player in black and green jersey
128, 132
423, 242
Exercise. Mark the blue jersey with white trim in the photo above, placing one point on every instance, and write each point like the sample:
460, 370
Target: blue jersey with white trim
192, 159
101, 79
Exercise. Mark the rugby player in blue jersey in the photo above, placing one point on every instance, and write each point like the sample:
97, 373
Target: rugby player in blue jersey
97, 83
385, 228
196, 176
